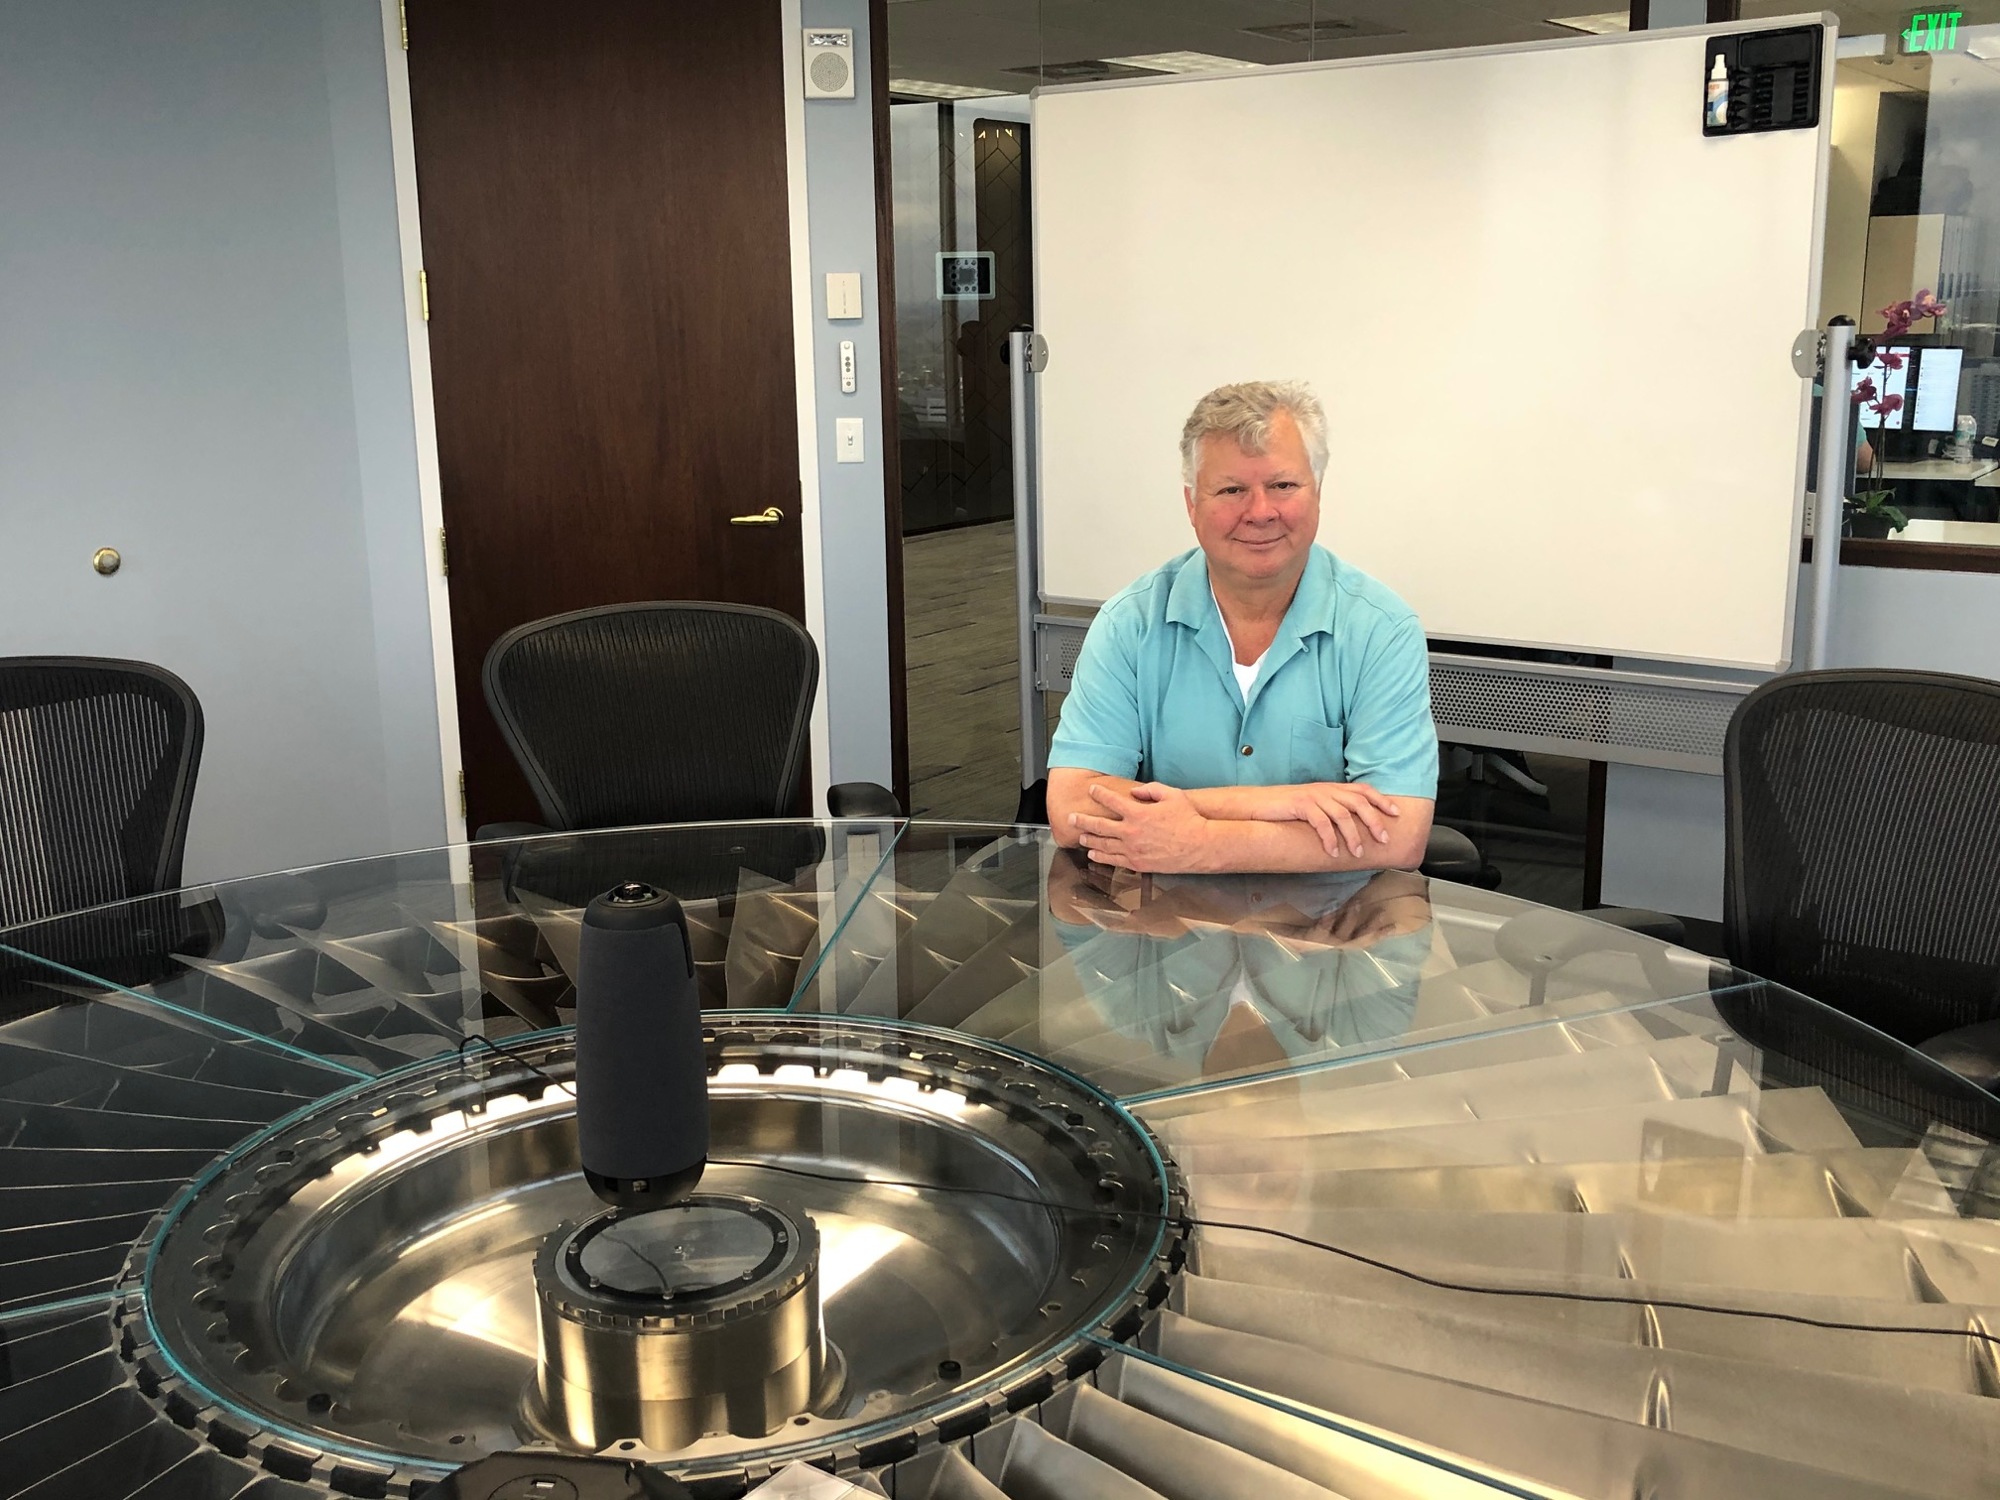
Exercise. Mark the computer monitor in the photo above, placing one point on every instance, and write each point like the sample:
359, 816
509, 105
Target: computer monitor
1887, 383
1935, 406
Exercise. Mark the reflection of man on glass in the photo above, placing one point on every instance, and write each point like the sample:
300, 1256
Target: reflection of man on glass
1272, 701
1217, 976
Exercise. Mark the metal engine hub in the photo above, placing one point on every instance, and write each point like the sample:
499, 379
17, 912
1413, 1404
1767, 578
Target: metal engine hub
901, 1235
662, 1326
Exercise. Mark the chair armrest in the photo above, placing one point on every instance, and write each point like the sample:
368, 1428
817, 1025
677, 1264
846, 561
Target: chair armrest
862, 799
1450, 855
1972, 1052
1538, 943
279, 905
1653, 924
491, 833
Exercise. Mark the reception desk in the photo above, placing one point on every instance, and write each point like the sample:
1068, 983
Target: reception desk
1127, 1186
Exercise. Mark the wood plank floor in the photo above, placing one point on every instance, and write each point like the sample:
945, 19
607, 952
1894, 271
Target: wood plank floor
965, 722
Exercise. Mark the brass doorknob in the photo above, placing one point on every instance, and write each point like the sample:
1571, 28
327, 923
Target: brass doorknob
769, 516
106, 560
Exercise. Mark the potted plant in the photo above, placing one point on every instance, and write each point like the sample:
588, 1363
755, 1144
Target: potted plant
1870, 512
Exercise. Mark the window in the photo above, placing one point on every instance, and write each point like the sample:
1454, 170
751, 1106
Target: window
1913, 205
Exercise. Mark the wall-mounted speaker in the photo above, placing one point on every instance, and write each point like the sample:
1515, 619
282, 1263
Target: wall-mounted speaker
829, 64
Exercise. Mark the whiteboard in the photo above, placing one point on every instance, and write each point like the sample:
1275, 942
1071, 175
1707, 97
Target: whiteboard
1550, 321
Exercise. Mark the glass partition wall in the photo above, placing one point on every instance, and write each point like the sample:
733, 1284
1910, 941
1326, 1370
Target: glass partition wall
964, 278
962, 160
1913, 210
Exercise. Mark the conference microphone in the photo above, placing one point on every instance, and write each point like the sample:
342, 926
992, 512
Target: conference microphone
641, 1071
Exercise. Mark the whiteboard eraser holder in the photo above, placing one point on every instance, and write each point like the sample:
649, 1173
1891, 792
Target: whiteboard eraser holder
1774, 80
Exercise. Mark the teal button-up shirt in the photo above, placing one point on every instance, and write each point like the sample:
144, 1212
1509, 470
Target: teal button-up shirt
1342, 695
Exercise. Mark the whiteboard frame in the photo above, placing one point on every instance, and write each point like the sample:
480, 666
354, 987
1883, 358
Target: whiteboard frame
1803, 456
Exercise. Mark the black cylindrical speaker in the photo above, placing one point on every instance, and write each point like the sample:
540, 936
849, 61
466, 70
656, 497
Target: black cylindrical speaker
641, 1073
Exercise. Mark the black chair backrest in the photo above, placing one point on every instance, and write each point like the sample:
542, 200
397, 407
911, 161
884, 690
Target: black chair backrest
97, 769
1863, 861
656, 713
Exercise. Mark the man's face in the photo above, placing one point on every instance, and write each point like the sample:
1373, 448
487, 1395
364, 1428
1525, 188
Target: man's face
1255, 514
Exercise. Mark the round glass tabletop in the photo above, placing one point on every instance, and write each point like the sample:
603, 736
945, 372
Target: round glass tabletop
1026, 1178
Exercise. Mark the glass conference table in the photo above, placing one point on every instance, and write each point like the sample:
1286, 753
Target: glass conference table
1082, 1185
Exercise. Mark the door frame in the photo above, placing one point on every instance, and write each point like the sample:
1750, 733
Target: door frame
892, 439
791, 26
429, 484
430, 488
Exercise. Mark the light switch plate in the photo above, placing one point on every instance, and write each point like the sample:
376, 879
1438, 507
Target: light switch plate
843, 294
847, 440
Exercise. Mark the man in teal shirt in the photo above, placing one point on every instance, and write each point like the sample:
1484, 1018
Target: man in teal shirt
1255, 704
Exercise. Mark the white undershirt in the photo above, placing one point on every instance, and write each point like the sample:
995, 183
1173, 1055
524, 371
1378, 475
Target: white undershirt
1245, 675
1239, 992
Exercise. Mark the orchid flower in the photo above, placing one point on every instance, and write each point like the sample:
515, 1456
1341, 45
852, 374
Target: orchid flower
1864, 389
1887, 406
1898, 316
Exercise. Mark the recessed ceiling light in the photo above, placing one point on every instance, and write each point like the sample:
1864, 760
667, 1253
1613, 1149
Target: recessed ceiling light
927, 90
1183, 62
1326, 29
1085, 70
1603, 23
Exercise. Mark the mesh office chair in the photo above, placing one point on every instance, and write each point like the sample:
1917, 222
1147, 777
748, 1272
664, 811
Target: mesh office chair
662, 713
634, 714
1863, 867
97, 771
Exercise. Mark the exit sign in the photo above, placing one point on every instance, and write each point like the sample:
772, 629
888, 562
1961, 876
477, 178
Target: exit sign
1933, 31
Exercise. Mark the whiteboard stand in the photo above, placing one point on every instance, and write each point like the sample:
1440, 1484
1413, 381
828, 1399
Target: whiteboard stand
1836, 461
1028, 354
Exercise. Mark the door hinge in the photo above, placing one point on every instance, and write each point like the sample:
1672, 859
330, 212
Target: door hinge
461, 797
444, 555
403, 21
424, 294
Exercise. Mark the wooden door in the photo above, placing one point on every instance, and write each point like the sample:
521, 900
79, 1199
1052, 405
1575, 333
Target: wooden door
605, 238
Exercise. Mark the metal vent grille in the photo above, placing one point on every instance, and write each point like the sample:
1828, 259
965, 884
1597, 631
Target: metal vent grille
1058, 639
1637, 719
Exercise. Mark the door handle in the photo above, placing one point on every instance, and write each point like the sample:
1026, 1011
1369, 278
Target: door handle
769, 516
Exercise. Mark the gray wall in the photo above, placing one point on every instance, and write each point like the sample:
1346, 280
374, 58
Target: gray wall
840, 204
203, 363
1663, 829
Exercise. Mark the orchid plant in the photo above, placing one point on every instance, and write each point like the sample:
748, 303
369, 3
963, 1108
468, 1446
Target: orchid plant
1896, 320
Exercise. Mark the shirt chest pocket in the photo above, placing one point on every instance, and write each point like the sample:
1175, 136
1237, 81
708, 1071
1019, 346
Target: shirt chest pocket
1319, 752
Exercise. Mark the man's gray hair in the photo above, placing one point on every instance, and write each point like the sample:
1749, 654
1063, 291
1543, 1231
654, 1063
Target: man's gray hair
1245, 411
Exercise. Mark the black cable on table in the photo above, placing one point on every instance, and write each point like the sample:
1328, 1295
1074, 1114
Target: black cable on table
1191, 1221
